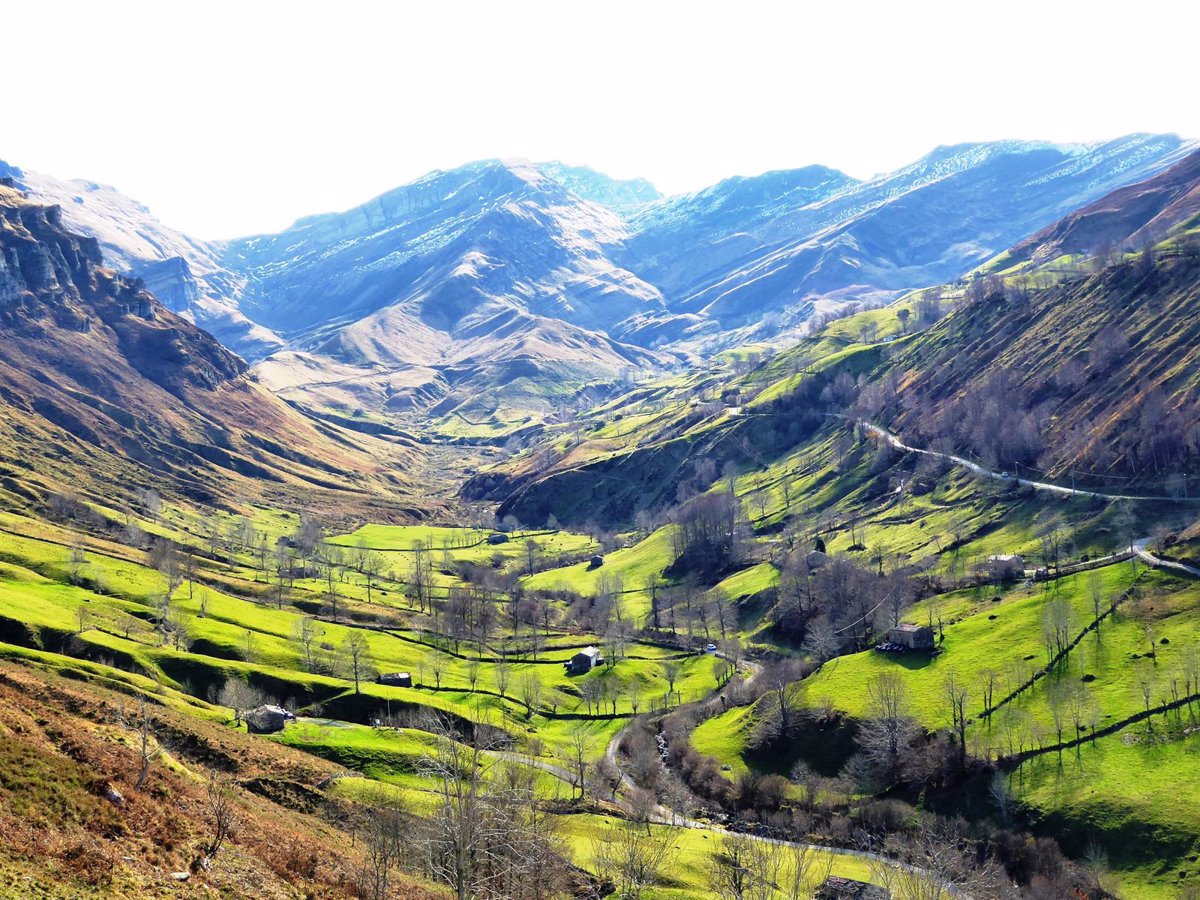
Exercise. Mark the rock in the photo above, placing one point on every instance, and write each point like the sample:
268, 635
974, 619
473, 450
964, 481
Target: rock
181, 876
113, 796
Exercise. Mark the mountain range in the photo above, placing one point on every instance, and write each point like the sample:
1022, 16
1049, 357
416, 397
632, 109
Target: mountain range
487, 295
1079, 366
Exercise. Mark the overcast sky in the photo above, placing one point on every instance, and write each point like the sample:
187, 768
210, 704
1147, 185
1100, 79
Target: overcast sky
229, 118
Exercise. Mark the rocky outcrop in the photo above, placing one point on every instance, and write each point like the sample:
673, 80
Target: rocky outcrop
50, 277
102, 388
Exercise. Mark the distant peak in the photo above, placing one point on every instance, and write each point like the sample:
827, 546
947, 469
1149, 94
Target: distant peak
591, 184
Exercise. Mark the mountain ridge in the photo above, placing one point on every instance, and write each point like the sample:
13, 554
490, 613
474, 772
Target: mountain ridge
404, 288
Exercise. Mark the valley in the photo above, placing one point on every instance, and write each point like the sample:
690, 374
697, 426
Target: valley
551, 537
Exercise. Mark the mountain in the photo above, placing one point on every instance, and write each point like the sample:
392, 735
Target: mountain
1128, 218
484, 275
924, 224
622, 195
182, 272
103, 388
488, 296
1087, 375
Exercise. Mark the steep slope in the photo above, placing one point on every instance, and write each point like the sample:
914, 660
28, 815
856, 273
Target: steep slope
104, 389
182, 272
74, 823
1088, 378
924, 224
624, 195
495, 232
447, 282
1128, 218
497, 289
1095, 379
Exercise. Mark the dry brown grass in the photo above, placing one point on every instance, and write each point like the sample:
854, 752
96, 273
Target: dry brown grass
64, 745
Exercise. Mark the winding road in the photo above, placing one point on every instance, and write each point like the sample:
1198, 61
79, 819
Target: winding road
895, 441
1139, 547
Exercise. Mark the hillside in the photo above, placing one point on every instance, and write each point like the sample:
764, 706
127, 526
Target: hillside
669, 617
74, 822
184, 273
923, 224
1094, 379
1127, 219
106, 390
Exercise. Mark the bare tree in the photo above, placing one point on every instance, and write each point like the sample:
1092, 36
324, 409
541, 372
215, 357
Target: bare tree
742, 868
954, 690
502, 673
356, 657
889, 730
385, 834
1056, 627
1095, 584
149, 748
671, 670
371, 565
804, 868
532, 549
778, 677
77, 560
489, 837
306, 634
577, 755
221, 812
531, 692
238, 696
633, 860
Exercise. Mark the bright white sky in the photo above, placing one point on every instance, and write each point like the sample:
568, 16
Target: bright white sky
228, 118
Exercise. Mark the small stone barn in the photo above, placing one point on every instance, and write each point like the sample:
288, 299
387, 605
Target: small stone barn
267, 719
912, 637
836, 887
584, 661
396, 679
1005, 566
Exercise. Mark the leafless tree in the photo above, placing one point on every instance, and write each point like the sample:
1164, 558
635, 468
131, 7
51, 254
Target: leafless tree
489, 837
502, 673
531, 692
238, 696
1056, 627
778, 677
473, 673
803, 869
386, 833
221, 814
371, 566
356, 657
954, 690
1095, 584
77, 560
671, 670
822, 640
889, 730
577, 755
633, 860
306, 635
149, 749
742, 868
